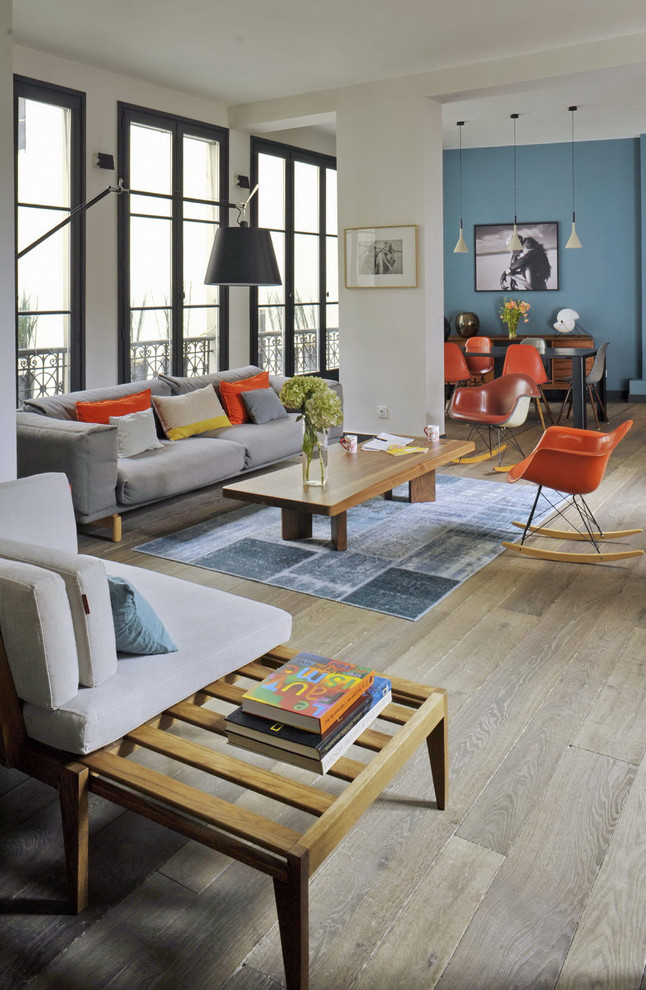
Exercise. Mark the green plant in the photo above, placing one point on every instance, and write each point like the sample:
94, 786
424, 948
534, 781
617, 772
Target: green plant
319, 408
27, 322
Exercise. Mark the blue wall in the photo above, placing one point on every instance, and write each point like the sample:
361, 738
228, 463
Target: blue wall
601, 281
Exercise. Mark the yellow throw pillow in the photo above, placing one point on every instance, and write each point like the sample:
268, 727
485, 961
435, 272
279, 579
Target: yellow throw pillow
194, 412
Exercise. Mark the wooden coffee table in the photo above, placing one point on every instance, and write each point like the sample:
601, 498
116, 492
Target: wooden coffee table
352, 479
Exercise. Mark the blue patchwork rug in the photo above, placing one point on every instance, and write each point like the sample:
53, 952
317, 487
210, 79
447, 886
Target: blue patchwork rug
402, 558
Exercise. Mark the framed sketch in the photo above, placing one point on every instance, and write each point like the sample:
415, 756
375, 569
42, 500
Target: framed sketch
534, 269
381, 257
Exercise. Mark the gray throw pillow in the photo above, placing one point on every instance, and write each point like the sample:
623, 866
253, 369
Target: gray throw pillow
263, 405
135, 433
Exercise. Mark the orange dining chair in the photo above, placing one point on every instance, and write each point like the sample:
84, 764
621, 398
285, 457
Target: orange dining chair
528, 361
478, 366
456, 370
572, 464
496, 407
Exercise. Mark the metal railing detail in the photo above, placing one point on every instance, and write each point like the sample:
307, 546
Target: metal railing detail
306, 359
149, 358
42, 371
45, 370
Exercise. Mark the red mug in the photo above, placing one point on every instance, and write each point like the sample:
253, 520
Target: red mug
349, 443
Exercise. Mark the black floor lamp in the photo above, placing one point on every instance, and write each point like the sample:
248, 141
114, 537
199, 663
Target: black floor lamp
241, 255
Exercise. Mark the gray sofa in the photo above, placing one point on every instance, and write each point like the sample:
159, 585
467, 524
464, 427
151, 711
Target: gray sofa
103, 485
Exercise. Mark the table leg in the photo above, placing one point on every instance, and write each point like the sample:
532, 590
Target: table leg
422, 489
602, 390
292, 906
340, 531
579, 411
438, 751
296, 525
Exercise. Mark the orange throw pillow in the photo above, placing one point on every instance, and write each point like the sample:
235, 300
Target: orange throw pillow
230, 394
100, 412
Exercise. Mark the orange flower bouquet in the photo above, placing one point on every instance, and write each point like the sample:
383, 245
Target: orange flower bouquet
511, 312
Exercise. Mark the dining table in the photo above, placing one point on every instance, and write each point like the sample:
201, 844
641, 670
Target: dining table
578, 355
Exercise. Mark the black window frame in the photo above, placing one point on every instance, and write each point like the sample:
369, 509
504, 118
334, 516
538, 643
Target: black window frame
291, 154
74, 100
130, 113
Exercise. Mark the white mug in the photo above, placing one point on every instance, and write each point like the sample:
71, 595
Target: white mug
349, 443
432, 433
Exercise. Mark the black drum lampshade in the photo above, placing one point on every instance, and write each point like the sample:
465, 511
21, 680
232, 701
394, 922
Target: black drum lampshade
242, 255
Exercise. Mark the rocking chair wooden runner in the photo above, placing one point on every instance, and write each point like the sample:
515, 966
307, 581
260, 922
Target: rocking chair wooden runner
572, 463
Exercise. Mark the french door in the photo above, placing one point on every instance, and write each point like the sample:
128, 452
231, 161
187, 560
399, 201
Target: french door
175, 169
295, 326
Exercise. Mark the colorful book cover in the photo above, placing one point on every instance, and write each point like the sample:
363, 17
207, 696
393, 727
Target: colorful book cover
308, 691
299, 740
323, 763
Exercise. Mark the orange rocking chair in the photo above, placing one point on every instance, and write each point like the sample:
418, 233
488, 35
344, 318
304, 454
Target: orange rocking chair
497, 407
572, 463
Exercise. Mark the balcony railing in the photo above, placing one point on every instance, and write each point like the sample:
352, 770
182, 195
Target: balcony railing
149, 358
45, 370
306, 358
42, 371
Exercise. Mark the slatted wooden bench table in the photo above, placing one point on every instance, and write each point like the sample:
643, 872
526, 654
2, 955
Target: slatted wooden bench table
418, 714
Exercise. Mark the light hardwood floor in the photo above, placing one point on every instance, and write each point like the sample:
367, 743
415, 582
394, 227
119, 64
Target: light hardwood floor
532, 878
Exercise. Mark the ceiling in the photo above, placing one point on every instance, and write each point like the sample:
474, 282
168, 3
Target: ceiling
246, 51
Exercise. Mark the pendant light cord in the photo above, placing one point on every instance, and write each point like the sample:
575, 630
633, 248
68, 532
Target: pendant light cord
460, 126
514, 117
572, 111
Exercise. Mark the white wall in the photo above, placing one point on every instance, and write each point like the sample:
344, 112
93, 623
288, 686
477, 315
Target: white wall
103, 91
7, 288
389, 158
317, 139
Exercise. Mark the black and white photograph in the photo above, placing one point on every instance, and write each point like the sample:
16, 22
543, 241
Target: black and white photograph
381, 257
532, 269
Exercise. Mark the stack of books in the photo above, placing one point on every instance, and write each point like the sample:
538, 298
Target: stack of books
309, 711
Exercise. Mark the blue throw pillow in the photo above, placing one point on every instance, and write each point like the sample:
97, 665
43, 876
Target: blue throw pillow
138, 628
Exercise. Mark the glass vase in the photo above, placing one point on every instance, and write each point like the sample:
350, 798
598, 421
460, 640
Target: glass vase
314, 456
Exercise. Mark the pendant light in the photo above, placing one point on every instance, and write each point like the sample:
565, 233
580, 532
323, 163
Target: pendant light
461, 246
514, 242
573, 240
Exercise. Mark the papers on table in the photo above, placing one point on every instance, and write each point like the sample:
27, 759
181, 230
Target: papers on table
385, 440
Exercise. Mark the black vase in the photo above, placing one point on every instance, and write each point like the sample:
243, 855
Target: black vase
447, 329
467, 324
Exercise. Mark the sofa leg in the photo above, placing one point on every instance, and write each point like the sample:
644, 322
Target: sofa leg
73, 795
117, 531
113, 523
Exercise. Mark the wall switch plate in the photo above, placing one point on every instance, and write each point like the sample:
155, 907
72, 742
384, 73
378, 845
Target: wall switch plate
382, 412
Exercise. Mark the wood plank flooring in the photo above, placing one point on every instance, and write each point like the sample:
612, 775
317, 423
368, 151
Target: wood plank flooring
534, 876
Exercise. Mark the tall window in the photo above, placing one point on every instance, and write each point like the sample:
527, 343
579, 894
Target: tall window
170, 321
49, 125
295, 326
